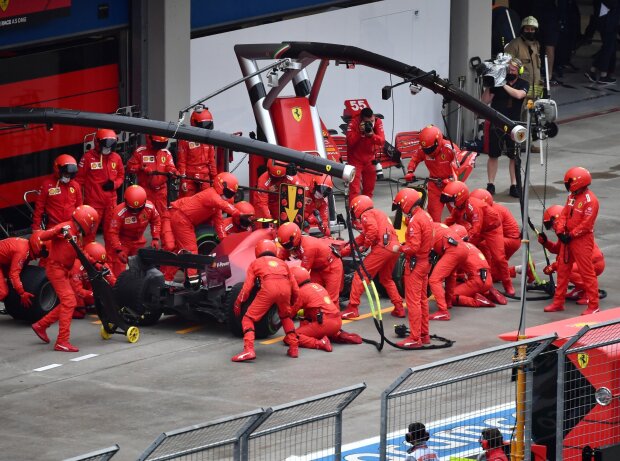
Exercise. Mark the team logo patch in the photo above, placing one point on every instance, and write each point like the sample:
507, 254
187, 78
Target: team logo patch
193, 145
583, 359
580, 205
297, 113
96, 166
53, 191
4, 4
113, 165
328, 167
163, 159
273, 263
72, 190
148, 159
131, 220
327, 299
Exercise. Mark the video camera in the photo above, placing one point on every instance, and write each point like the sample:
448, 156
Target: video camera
368, 126
493, 72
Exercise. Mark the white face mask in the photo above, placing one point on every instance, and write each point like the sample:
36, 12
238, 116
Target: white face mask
106, 150
65, 179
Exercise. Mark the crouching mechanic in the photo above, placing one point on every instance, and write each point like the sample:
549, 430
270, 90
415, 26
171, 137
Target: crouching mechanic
243, 221
125, 234
276, 285
317, 256
321, 324
377, 234
15, 253
204, 207
61, 258
417, 248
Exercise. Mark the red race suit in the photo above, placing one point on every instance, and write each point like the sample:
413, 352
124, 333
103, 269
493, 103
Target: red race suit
196, 161
14, 254
57, 200
361, 153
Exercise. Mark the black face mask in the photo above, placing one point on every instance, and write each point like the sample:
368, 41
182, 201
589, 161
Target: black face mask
529, 35
511, 77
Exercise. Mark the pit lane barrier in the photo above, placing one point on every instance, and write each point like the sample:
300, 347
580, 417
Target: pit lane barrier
98, 455
288, 431
459, 389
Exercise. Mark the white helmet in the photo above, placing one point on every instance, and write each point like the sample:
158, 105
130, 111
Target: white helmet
529, 21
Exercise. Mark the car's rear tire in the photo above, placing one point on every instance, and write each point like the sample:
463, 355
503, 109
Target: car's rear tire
35, 281
128, 291
264, 328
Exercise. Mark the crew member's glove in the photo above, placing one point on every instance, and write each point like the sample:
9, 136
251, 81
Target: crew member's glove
409, 177
565, 238
237, 309
155, 243
108, 185
542, 238
550, 269
26, 299
122, 256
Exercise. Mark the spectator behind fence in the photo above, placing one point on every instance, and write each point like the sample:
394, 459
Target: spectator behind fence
417, 436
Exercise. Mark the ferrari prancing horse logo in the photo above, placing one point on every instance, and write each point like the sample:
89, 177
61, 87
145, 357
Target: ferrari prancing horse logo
4, 4
297, 113
583, 359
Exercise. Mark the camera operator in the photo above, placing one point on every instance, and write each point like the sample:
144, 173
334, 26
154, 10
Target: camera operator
364, 137
507, 100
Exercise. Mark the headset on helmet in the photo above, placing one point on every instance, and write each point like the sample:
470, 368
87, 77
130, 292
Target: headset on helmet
276, 170
265, 248
407, 199
490, 438
156, 142
246, 213
86, 218
417, 433
360, 204
551, 214
577, 178
302, 276
202, 118
455, 191
135, 198
289, 235
65, 165
105, 140
226, 184
95, 252
430, 139
482, 194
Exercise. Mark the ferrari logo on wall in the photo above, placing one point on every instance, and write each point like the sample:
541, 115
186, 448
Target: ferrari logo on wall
4, 4
583, 359
297, 113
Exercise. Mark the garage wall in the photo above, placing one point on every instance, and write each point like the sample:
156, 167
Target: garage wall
415, 32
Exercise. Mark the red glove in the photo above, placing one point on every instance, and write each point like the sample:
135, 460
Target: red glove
550, 269
409, 177
26, 299
122, 256
155, 243
237, 309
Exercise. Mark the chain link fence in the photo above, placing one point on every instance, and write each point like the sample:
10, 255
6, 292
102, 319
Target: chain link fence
99, 455
465, 394
588, 394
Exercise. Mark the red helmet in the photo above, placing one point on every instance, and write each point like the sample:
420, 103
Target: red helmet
456, 192
156, 142
86, 218
577, 178
65, 165
37, 247
460, 231
360, 204
105, 139
265, 246
202, 118
322, 185
430, 138
301, 274
95, 252
551, 214
289, 235
276, 170
482, 194
135, 198
226, 184
246, 213
407, 199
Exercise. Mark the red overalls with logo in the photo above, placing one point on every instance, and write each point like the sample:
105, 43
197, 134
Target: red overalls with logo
57, 200
195, 160
361, 152
474, 267
313, 298
512, 239
324, 266
14, 254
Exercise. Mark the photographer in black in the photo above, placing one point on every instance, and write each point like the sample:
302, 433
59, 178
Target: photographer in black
365, 137
508, 100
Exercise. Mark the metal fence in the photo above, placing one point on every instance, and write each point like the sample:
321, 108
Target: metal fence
588, 393
215, 440
471, 392
307, 429
98, 455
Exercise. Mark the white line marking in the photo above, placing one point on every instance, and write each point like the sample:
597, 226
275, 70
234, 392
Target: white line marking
48, 367
84, 357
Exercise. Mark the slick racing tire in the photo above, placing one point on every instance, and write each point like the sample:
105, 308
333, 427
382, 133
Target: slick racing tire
128, 292
266, 327
35, 281
206, 239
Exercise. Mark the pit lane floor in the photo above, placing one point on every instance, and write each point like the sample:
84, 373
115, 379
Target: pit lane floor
180, 374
